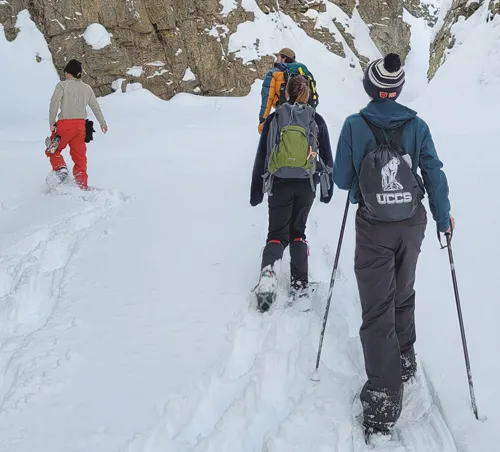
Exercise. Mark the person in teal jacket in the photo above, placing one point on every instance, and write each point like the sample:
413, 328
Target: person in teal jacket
387, 252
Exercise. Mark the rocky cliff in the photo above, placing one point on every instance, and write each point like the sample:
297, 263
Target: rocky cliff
444, 39
173, 46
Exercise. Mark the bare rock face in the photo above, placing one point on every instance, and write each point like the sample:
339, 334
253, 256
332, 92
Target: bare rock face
387, 28
421, 9
172, 46
444, 39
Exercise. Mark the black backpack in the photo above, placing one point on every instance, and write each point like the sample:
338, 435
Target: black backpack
387, 183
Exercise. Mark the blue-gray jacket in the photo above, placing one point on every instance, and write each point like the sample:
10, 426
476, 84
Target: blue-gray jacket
357, 140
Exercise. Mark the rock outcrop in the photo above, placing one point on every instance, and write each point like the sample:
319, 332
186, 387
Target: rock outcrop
387, 29
426, 10
172, 46
445, 40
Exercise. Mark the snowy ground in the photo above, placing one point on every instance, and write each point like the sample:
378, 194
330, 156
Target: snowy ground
125, 318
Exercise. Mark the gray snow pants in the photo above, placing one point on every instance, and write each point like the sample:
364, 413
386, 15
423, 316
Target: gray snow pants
385, 264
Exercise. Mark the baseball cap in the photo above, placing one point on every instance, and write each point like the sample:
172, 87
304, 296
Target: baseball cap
286, 52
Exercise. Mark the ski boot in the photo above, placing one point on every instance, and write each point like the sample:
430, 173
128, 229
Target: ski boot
266, 290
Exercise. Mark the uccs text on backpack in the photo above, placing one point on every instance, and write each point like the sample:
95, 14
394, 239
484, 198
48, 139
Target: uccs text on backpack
294, 69
387, 183
292, 148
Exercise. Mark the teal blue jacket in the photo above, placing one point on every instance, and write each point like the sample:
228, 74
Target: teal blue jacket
357, 140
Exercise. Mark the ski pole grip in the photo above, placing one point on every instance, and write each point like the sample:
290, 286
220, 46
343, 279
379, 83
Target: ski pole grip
449, 236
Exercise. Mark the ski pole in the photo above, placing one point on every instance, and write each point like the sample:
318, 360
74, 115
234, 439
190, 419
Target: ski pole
315, 376
449, 236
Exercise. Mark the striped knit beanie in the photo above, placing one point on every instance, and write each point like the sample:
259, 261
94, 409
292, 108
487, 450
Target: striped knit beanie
384, 78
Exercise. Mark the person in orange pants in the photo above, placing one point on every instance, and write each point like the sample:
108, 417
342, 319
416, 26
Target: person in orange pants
72, 132
71, 97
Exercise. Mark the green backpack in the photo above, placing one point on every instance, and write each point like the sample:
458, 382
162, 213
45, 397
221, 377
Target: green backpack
292, 146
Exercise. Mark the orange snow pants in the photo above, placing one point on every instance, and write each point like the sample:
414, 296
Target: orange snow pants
72, 132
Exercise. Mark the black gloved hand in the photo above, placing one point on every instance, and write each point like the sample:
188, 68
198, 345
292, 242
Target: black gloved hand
255, 201
326, 199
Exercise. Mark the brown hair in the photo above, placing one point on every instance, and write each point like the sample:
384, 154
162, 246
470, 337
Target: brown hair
287, 59
298, 89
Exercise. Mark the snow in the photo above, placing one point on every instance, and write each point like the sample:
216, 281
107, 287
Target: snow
58, 23
228, 6
364, 43
126, 322
189, 75
157, 73
135, 71
156, 63
218, 32
97, 36
417, 61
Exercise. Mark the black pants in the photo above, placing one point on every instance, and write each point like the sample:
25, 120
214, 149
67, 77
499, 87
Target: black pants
289, 208
385, 265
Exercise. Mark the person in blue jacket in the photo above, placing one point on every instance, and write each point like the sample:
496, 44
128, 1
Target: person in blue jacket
387, 252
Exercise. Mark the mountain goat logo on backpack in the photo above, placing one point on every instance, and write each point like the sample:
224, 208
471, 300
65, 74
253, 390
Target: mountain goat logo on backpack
390, 183
389, 172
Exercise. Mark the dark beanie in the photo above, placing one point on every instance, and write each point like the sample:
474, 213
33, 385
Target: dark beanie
384, 78
74, 67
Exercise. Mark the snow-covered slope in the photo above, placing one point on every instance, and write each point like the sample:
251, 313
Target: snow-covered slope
126, 321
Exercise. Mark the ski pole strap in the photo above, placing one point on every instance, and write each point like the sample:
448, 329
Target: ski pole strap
449, 236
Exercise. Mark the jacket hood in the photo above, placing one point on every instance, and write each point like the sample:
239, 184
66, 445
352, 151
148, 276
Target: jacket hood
281, 66
387, 114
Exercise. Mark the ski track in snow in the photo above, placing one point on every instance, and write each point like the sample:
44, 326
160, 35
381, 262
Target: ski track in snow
33, 262
262, 398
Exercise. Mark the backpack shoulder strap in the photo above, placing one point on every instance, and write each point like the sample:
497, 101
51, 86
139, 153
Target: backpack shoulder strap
379, 135
397, 136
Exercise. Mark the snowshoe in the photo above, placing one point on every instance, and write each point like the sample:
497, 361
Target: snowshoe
265, 301
300, 297
266, 290
56, 178
374, 437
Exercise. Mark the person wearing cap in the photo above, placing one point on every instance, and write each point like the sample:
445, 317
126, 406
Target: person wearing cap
71, 98
270, 92
387, 252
